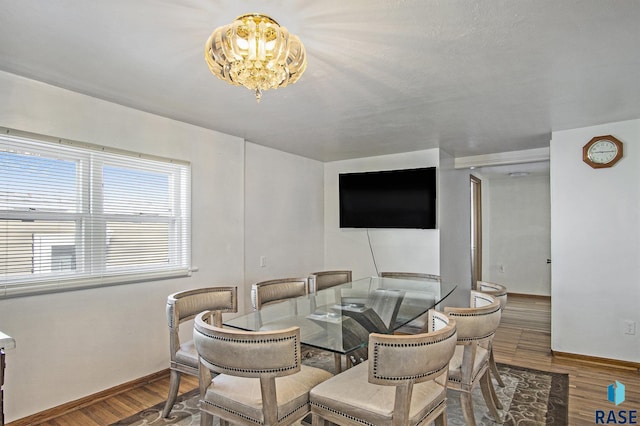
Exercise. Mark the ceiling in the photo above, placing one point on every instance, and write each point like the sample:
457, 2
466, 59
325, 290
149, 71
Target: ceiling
469, 76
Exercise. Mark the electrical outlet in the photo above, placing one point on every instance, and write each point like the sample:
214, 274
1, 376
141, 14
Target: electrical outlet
629, 327
263, 261
501, 268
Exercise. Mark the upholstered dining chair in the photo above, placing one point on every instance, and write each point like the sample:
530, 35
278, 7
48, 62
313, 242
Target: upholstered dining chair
273, 291
499, 292
260, 379
183, 306
325, 279
418, 323
469, 366
404, 381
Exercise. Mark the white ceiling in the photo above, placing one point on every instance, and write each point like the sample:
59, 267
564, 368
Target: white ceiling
469, 76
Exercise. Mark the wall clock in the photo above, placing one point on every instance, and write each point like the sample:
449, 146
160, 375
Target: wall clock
602, 151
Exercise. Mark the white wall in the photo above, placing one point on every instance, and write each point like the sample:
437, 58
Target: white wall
73, 344
454, 203
284, 218
595, 244
517, 242
414, 250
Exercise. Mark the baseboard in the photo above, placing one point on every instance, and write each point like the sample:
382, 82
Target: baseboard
88, 400
530, 296
615, 363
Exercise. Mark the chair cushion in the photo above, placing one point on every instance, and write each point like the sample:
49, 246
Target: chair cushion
241, 396
455, 365
187, 354
350, 394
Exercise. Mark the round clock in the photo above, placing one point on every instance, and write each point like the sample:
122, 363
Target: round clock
602, 151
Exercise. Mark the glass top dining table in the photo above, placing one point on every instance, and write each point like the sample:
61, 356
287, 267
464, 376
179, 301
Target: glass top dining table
339, 319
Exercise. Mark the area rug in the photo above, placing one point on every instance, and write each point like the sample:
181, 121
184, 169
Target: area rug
530, 397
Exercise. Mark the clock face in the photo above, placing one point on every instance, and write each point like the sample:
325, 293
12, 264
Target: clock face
603, 151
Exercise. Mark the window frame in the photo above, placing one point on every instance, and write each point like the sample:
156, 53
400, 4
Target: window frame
91, 220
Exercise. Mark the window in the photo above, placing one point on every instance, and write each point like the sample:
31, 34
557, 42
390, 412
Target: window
74, 215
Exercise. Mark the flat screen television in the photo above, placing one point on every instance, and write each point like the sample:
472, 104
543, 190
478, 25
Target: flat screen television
388, 199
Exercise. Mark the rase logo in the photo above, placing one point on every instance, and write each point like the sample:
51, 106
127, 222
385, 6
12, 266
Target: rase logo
615, 395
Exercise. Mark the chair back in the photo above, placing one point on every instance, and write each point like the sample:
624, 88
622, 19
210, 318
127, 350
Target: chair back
415, 358
497, 290
436, 320
411, 276
272, 291
326, 279
184, 305
247, 354
478, 322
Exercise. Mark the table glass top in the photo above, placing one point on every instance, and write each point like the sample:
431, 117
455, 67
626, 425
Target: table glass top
340, 318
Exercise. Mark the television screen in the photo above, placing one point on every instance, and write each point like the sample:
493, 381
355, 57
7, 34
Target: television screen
388, 199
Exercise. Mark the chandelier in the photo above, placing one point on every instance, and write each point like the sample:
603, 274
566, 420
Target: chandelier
254, 51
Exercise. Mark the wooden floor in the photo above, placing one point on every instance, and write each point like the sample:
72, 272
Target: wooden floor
523, 339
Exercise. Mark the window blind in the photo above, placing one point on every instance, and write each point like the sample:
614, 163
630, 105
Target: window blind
75, 215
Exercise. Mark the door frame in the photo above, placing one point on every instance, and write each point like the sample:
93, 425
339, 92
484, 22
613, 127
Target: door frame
475, 184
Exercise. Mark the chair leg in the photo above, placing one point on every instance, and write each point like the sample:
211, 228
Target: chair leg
485, 386
494, 395
467, 408
317, 420
337, 359
494, 369
206, 419
174, 384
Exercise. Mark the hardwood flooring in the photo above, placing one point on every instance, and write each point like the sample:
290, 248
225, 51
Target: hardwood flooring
108, 410
523, 339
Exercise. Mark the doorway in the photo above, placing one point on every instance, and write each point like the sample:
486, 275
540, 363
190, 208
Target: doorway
514, 231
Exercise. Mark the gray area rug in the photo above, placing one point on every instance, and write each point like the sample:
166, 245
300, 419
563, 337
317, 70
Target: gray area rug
530, 397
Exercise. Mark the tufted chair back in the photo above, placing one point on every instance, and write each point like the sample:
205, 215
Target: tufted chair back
245, 391
237, 352
273, 291
326, 279
404, 381
421, 357
478, 322
181, 307
496, 290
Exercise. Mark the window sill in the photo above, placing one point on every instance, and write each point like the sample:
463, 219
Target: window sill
30, 288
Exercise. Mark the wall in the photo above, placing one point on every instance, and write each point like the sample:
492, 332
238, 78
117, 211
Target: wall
414, 250
72, 344
486, 221
455, 222
284, 215
517, 242
595, 244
